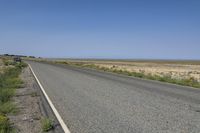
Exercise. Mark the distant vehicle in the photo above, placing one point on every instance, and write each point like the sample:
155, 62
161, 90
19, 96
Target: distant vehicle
17, 59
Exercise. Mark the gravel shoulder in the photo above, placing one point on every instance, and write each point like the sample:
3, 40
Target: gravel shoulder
27, 120
32, 107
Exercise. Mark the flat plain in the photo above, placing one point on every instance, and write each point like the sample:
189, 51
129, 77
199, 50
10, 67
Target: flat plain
171, 68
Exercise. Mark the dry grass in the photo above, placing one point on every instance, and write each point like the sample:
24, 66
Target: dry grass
177, 70
1, 65
47, 124
9, 81
180, 70
5, 63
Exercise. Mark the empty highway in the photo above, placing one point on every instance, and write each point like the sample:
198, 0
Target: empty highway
91, 101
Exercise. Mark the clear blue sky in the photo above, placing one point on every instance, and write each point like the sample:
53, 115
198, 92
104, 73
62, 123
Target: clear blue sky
158, 29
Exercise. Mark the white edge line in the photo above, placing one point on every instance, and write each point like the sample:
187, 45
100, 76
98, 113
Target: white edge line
63, 125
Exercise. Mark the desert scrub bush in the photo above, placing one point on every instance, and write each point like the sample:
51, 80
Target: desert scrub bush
190, 82
34, 94
21, 65
6, 94
14, 82
136, 74
61, 62
78, 64
8, 62
11, 72
9, 81
4, 124
47, 124
8, 108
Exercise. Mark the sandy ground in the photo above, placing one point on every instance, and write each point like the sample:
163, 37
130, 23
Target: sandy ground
177, 70
28, 119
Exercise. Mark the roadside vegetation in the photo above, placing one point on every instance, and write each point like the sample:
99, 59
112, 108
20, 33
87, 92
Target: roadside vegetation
47, 124
9, 82
189, 81
164, 78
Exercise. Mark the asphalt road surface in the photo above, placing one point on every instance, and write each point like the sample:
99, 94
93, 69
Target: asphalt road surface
90, 101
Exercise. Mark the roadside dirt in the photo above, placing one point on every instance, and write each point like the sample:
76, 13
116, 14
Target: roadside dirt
28, 118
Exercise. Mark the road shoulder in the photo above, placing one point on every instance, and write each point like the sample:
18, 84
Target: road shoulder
32, 107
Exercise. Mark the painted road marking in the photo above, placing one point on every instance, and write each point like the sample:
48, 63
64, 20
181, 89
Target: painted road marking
60, 120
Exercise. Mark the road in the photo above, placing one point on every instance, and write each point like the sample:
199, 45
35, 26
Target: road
91, 101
